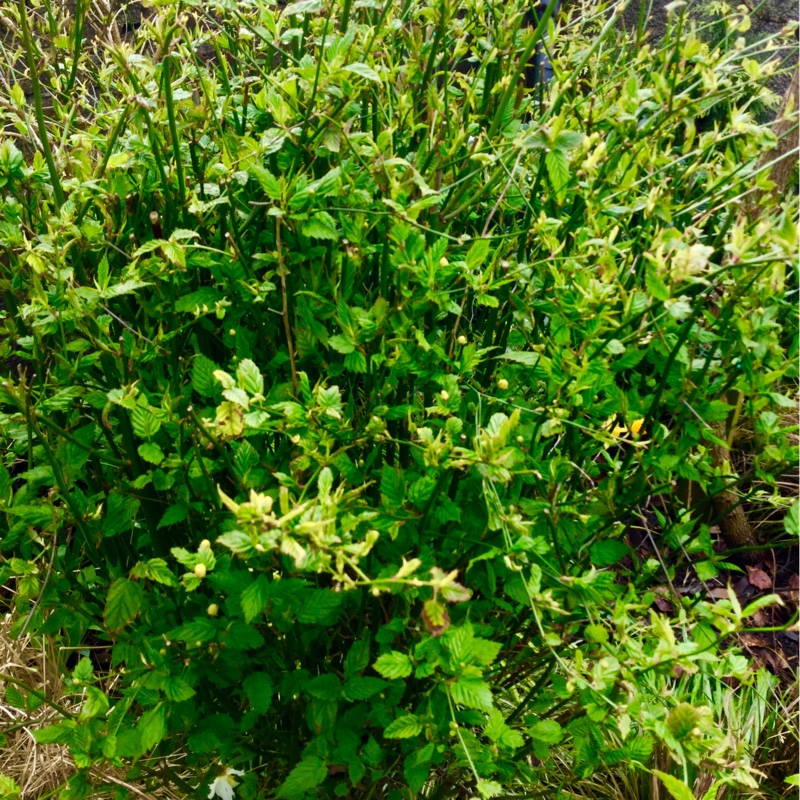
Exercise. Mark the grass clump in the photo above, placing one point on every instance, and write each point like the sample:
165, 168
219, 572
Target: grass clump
356, 379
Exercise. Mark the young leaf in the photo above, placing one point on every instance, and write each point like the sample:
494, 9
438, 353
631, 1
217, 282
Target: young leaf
307, 775
676, 787
123, 603
364, 71
472, 693
258, 690
404, 727
203, 381
393, 665
152, 726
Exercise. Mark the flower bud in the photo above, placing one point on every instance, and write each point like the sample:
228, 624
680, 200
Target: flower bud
445, 395
462, 340
205, 545
200, 570
213, 610
502, 384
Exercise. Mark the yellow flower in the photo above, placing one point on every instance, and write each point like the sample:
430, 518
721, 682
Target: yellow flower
636, 425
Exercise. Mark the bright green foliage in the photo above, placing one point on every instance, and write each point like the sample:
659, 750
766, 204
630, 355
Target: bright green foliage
364, 378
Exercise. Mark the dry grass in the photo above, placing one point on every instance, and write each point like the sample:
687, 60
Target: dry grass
37, 769
41, 770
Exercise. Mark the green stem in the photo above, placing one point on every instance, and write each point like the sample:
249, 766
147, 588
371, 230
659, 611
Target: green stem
27, 43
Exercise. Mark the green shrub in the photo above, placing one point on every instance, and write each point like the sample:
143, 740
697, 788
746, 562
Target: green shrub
355, 382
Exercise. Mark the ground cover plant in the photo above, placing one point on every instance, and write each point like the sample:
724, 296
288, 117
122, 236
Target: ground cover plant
368, 404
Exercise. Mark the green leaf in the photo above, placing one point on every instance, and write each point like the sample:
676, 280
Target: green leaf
255, 597
363, 688
95, 705
241, 636
791, 522
404, 727
324, 687
55, 734
156, 569
472, 693
152, 726
200, 629
123, 603
151, 452
249, 377
394, 665
238, 542
258, 689
307, 775
608, 552
321, 606
9, 789
357, 659
547, 731
320, 227
393, 488
528, 358
203, 381
676, 787
363, 71
176, 689
558, 170
477, 254
489, 789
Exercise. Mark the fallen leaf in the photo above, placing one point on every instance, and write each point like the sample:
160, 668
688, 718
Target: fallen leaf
719, 593
759, 578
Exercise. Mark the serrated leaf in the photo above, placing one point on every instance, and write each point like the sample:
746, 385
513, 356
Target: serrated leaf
237, 542
608, 552
152, 727
489, 789
9, 788
198, 630
363, 71
123, 603
95, 705
176, 689
547, 731
173, 515
393, 487
404, 727
357, 659
258, 689
320, 228
791, 522
558, 170
320, 606
151, 452
324, 687
393, 665
472, 693
307, 775
255, 597
363, 688
528, 358
676, 787
203, 381
249, 377
55, 734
